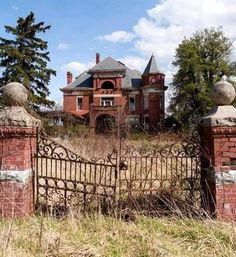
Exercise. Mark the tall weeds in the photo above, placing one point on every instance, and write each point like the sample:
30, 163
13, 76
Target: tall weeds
104, 236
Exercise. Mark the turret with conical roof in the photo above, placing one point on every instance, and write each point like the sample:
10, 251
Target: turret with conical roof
153, 94
152, 76
151, 67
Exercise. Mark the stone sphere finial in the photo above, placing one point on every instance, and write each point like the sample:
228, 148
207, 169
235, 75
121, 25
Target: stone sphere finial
222, 93
15, 94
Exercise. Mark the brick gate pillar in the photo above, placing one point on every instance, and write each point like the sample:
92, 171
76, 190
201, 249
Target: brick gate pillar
18, 132
218, 141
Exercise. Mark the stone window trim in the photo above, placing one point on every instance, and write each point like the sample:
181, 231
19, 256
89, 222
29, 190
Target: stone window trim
107, 95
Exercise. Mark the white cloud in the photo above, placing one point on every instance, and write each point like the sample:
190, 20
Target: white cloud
14, 7
170, 20
165, 26
118, 36
77, 67
63, 46
167, 23
134, 62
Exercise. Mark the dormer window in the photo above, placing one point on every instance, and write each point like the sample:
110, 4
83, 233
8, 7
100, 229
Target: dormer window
107, 85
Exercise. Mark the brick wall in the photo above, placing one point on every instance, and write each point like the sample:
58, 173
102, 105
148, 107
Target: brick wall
17, 149
16, 199
86, 102
154, 109
218, 171
69, 103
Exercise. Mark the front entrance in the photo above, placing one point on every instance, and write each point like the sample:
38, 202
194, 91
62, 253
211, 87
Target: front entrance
105, 124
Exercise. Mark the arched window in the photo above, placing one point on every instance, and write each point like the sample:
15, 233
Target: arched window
107, 85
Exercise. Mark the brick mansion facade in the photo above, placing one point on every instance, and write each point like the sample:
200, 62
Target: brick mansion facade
112, 94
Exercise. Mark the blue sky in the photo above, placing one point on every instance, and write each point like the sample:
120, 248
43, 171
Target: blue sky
129, 30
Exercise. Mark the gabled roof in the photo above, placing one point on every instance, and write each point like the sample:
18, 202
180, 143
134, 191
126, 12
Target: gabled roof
84, 80
151, 67
108, 64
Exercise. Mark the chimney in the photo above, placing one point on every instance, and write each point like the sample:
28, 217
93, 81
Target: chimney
69, 77
97, 58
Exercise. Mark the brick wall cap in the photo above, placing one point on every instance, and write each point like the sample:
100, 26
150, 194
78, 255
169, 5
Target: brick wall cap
14, 94
17, 116
222, 93
220, 116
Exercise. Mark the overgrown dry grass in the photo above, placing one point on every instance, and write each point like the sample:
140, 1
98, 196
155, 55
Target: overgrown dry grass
101, 145
105, 236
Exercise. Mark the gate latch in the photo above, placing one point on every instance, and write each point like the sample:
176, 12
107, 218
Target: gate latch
123, 165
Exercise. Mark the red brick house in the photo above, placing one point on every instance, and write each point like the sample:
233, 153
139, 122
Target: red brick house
111, 93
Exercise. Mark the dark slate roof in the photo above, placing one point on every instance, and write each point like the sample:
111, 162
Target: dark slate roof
151, 67
84, 80
108, 64
132, 79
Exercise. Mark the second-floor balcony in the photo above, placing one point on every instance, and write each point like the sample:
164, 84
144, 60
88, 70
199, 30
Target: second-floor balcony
105, 108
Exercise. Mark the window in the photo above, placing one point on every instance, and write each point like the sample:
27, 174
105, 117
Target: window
79, 103
132, 103
107, 85
107, 101
146, 102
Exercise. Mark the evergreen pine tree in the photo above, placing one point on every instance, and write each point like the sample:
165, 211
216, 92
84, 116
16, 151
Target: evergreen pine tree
24, 59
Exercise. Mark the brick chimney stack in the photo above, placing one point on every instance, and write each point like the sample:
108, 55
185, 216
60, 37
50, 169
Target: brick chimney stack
69, 77
97, 58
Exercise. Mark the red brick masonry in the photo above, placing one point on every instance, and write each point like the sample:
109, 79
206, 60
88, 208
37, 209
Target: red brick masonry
219, 171
17, 148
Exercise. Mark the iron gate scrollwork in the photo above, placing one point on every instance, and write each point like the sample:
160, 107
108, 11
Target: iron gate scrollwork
65, 180
161, 179
146, 180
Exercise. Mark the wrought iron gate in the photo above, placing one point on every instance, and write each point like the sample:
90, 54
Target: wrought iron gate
159, 179
65, 180
146, 180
